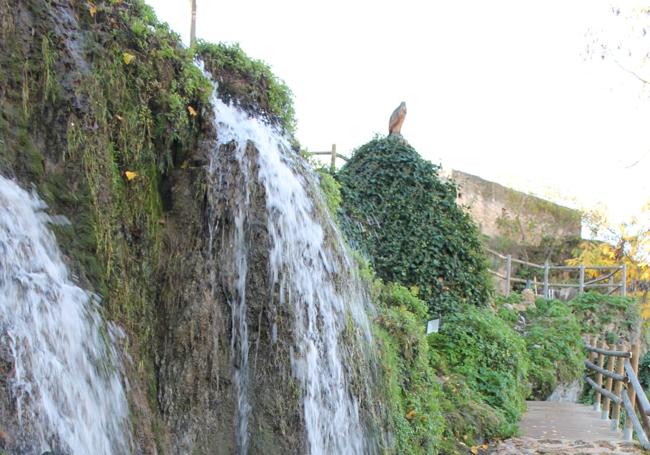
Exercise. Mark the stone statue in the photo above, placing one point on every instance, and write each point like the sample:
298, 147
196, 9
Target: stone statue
396, 120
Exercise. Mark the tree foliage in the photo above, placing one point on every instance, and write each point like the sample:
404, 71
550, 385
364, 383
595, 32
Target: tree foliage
629, 245
399, 212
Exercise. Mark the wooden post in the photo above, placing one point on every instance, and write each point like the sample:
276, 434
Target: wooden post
193, 24
599, 377
546, 290
624, 280
610, 367
333, 163
610, 289
620, 369
634, 361
582, 280
508, 273
592, 340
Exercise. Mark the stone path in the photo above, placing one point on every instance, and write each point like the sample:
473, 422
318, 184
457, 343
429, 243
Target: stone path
565, 428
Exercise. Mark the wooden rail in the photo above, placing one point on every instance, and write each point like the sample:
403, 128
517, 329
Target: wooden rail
333, 156
608, 273
621, 387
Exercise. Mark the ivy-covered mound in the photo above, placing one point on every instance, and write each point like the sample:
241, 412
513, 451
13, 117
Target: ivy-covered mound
399, 212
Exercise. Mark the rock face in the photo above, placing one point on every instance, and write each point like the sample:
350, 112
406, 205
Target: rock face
91, 91
142, 245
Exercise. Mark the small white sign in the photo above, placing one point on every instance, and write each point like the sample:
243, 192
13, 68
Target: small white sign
433, 326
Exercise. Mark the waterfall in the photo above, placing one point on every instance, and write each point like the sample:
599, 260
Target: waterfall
309, 272
66, 372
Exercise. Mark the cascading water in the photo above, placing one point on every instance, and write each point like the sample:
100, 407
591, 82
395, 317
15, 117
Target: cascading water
308, 271
66, 378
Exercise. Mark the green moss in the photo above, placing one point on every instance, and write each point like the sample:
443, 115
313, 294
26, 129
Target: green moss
248, 81
331, 190
50, 87
410, 384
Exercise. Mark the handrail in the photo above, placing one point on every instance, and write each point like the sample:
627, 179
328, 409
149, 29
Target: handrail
624, 354
497, 274
603, 371
608, 271
644, 404
602, 278
602, 390
529, 264
333, 156
622, 387
638, 429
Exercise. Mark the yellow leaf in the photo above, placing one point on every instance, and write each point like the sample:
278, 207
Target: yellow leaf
92, 9
474, 450
485, 446
128, 58
192, 111
410, 414
130, 175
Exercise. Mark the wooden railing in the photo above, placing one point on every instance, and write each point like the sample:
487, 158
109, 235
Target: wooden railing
615, 384
333, 156
607, 273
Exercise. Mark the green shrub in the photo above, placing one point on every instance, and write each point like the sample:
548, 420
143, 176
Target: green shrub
595, 312
412, 391
469, 419
399, 212
479, 346
554, 344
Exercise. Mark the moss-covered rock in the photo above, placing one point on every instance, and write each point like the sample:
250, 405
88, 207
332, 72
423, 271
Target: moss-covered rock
105, 112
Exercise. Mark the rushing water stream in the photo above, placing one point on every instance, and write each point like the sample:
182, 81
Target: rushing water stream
307, 259
66, 378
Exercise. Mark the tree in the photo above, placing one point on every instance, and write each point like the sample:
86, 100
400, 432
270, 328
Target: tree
624, 39
628, 244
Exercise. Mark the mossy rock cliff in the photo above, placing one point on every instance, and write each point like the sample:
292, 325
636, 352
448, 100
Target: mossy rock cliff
91, 92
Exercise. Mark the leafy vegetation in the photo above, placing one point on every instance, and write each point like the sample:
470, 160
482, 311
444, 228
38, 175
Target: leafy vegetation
410, 383
248, 81
400, 213
600, 314
626, 244
431, 405
483, 349
553, 340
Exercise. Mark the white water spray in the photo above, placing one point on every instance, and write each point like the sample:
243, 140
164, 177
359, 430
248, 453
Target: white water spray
66, 379
304, 264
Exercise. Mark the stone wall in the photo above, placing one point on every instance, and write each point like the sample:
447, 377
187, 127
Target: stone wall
507, 216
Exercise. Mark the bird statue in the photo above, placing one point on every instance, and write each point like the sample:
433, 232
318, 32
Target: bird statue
396, 120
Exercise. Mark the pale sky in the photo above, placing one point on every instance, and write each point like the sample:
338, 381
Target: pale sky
505, 90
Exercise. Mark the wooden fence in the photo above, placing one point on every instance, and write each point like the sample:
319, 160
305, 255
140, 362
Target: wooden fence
616, 383
333, 156
607, 280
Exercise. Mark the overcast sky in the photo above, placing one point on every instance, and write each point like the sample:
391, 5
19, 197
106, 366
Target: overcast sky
505, 89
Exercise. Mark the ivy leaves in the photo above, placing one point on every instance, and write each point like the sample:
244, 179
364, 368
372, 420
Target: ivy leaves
399, 211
